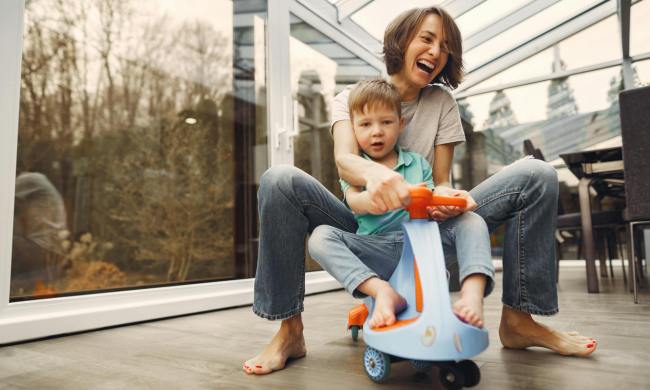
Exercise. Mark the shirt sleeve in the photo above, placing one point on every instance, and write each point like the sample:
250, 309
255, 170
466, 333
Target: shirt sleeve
340, 107
344, 186
450, 128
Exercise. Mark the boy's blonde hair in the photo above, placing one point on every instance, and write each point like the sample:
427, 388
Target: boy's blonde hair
373, 93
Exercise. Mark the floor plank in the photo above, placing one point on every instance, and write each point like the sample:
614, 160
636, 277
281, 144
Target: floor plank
205, 351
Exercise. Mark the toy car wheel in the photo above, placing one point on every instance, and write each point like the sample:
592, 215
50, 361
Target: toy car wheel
422, 366
471, 372
377, 364
354, 329
451, 377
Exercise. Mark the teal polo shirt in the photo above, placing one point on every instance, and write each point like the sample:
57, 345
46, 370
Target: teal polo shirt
414, 169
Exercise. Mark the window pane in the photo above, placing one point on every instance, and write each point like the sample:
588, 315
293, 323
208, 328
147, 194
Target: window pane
639, 31
485, 14
141, 135
320, 68
642, 69
375, 16
523, 32
596, 44
558, 116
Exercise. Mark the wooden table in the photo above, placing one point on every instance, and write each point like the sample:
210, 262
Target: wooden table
602, 170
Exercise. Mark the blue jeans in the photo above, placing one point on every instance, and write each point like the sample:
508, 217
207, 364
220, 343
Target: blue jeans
523, 196
352, 258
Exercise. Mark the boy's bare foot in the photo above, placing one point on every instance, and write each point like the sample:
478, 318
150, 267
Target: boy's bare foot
287, 343
518, 330
387, 303
469, 309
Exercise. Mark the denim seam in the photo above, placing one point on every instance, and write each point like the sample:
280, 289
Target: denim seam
521, 254
477, 268
301, 291
527, 308
289, 198
497, 196
521, 249
306, 204
281, 316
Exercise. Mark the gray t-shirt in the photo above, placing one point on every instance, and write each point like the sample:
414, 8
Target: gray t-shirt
431, 119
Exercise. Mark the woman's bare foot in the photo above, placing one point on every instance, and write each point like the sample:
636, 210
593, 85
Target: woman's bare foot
387, 301
470, 310
518, 330
288, 343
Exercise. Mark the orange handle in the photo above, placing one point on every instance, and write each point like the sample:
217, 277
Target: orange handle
422, 197
439, 200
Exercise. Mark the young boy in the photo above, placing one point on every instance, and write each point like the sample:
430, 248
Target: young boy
363, 262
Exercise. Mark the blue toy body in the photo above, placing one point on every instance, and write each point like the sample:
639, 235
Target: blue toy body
427, 332
436, 334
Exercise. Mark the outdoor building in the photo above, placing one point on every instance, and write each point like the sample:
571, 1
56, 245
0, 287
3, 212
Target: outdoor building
135, 133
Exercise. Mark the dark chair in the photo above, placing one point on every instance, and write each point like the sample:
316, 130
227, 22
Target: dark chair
635, 130
605, 224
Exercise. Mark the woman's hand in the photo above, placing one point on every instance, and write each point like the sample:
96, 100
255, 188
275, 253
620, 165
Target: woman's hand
443, 213
387, 189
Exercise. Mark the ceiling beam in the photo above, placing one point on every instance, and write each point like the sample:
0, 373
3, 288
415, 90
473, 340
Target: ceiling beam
345, 8
458, 7
498, 26
623, 7
538, 79
321, 15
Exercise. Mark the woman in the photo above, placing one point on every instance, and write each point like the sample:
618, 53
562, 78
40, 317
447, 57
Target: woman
421, 47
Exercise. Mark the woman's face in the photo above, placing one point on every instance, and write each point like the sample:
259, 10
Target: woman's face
426, 54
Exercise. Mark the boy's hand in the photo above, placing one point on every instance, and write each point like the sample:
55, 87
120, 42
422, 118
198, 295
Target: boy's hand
369, 206
387, 190
443, 213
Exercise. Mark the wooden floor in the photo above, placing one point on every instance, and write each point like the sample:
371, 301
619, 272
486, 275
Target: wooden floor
206, 351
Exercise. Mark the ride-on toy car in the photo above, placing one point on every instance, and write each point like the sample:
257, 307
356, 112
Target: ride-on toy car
427, 332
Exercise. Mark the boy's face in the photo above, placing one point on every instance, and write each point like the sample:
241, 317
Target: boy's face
377, 130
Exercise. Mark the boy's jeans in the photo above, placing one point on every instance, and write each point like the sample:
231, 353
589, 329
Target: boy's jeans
523, 196
352, 258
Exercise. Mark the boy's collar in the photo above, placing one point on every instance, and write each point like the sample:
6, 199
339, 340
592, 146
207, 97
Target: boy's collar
402, 158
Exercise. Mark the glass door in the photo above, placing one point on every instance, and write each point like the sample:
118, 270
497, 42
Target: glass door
320, 68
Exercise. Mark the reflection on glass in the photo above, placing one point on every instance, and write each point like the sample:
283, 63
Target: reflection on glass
559, 116
142, 124
320, 68
643, 71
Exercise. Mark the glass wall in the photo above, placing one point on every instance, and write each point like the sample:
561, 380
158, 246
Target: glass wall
558, 116
643, 71
320, 68
596, 44
142, 133
520, 33
640, 33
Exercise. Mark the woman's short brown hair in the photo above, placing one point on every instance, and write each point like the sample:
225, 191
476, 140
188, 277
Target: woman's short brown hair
401, 31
